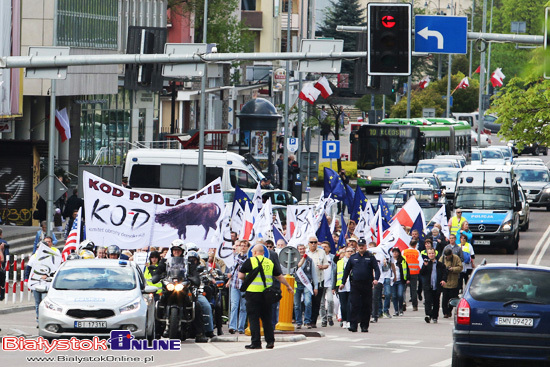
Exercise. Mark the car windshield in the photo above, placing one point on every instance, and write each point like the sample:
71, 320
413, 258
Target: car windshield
531, 175
476, 156
395, 185
94, 278
491, 198
506, 153
491, 154
431, 166
447, 176
503, 285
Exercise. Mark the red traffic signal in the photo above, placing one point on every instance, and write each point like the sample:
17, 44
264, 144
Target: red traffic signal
388, 21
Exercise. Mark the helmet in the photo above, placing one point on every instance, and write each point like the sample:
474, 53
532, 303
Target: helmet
192, 247
86, 245
113, 250
86, 254
203, 255
194, 255
178, 243
73, 256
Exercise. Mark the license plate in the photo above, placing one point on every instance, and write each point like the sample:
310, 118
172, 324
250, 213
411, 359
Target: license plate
90, 324
385, 185
514, 321
482, 242
531, 197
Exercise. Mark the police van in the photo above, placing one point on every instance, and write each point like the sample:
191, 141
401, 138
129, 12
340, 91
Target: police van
174, 172
490, 202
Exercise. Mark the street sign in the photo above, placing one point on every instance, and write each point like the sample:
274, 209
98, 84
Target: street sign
321, 66
58, 189
289, 257
441, 34
184, 70
292, 144
331, 149
47, 73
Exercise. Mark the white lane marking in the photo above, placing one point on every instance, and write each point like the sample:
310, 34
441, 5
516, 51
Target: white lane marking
210, 359
19, 331
542, 252
449, 345
538, 246
444, 363
346, 363
404, 342
344, 339
381, 347
211, 349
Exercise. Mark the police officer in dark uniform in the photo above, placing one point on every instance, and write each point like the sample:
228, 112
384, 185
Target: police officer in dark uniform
363, 270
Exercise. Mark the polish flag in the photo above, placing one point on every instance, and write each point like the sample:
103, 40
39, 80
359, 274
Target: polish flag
248, 224
497, 77
464, 83
309, 93
424, 82
73, 239
408, 213
62, 124
478, 70
323, 85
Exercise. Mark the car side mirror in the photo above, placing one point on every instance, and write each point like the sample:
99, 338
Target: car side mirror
41, 289
454, 302
517, 207
150, 289
443, 187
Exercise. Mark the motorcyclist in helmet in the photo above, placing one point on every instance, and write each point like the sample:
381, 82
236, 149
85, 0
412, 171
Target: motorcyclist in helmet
113, 252
86, 245
86, 254
194, 261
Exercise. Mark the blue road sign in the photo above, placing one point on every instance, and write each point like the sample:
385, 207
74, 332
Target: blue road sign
440, 34
331, 149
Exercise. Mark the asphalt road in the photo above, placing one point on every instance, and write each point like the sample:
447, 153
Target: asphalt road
390, 342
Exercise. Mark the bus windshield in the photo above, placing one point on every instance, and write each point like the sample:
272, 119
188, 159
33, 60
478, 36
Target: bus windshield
491, 198
387, 146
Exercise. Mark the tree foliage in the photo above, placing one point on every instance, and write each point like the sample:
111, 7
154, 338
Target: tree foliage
523, 105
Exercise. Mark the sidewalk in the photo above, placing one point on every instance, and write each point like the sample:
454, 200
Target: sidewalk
10, 307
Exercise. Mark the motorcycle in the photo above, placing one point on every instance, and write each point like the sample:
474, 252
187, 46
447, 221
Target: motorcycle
212, 287
176, 307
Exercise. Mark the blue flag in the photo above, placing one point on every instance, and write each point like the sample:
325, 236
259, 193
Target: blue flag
384, 207
350, 197
277, 235
323, 234
241, 198
342, 238
359, 203
419, 226
334, 185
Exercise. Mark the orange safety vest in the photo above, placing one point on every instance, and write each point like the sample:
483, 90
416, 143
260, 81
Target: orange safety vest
411, 256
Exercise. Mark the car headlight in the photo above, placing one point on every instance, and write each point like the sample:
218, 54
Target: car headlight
506, 226
52, 306
130, 307
546, 190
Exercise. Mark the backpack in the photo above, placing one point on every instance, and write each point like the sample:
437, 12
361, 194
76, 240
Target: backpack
467, 257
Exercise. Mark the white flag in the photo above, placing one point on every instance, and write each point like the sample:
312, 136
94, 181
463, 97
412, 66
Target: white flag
441, 218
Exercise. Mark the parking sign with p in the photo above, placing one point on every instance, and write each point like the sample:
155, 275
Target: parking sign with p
331, 149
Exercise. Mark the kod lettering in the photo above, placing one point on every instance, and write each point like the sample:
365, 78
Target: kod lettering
118, 214
124, 340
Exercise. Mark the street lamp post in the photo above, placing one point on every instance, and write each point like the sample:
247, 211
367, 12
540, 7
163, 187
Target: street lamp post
202, 175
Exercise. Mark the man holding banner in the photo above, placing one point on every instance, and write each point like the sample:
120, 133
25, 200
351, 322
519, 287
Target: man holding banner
306, 284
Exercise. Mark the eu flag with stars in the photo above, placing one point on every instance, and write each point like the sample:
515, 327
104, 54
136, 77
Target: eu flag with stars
241, 198
384, 207
419, 226
350, 197
359, 203
342, 238
323, 234
334, 185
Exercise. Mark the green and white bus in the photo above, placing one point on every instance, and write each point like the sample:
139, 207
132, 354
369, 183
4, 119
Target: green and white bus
392, 148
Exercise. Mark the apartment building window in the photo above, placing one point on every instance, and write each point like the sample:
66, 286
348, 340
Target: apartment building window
248, 4
87, 24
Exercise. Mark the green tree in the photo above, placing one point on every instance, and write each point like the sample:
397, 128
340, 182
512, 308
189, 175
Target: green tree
523, 105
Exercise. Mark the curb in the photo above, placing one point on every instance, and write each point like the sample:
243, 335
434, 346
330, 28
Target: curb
16, 309
278, 338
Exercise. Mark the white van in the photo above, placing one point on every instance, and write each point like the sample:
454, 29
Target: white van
174, 172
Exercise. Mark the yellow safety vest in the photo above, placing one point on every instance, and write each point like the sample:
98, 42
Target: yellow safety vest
455, 224
466, 248
148, 276
339, 272
404, 267
257, 284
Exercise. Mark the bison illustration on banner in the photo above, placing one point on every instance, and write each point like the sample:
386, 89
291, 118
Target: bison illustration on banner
193, 214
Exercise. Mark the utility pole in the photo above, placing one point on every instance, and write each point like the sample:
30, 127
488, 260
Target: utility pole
202, 172
482, 74
471, 41
287, 99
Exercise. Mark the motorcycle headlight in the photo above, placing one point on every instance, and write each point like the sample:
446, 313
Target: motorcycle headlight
130, 307
170, 287
178, 287
52, 306
506, 226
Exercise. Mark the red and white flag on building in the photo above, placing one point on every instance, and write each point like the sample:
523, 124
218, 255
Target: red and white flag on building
408, 213
497, 77
62, 124
424, 82
309, 93
464, 83
73, 239
323, 85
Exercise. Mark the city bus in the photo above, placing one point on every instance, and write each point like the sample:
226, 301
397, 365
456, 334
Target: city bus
392, 148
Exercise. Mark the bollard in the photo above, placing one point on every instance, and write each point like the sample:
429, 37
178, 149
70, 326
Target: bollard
286, 307
247, 330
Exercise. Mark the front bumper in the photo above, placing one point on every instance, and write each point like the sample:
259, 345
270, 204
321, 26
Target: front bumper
67, 324
493, 239
539, 199
374, 183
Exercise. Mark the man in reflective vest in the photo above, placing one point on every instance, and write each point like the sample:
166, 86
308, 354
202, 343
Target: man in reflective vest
256, 306
412, 256
456, 222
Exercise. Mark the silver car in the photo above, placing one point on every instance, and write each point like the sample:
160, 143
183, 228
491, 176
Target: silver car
535, 181
93, 297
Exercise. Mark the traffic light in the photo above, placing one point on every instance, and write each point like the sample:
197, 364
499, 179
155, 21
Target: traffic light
389, 39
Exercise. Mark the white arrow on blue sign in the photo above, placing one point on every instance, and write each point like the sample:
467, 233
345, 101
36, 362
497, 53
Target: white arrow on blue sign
441, 34
331, 149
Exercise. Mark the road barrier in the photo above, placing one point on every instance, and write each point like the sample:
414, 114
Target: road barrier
15, 279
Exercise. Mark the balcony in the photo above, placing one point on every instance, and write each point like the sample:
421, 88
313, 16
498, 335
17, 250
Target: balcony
252, 19
295, 21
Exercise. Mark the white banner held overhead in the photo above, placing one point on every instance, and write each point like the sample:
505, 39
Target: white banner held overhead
133, 219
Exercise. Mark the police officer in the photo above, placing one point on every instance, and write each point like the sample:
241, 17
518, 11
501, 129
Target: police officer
256, 306
361, 267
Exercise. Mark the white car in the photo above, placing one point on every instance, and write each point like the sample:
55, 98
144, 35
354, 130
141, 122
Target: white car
492, 156
93, 297
485, 140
